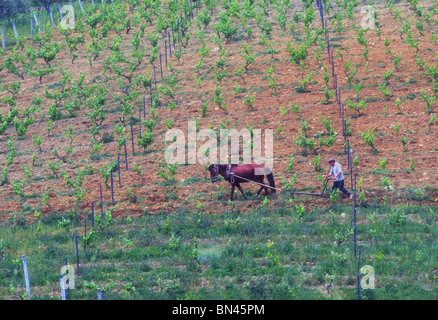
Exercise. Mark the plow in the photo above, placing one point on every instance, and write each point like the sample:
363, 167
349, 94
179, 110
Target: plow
293, 192
321, 194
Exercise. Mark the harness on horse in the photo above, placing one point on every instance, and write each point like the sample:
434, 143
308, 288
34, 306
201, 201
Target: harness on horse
229, 175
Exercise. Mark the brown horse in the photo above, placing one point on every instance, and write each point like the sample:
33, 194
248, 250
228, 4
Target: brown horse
234, 173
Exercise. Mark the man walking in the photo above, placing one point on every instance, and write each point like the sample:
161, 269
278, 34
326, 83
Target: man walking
338, 177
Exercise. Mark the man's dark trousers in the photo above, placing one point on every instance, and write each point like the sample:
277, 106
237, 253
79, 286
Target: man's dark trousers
340, 186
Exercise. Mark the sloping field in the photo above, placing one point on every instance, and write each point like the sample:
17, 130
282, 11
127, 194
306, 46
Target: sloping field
76, 103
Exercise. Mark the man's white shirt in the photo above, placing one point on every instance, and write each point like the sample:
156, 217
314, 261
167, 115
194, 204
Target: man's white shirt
335, 170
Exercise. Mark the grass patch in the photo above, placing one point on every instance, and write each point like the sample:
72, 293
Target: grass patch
269, 253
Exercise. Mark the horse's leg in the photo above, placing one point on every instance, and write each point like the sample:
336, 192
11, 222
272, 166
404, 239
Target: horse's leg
262, 181
266, 191
259, 179
232, 192
260, 190
241, 190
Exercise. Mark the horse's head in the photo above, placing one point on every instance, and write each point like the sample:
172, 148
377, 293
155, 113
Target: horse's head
214, 171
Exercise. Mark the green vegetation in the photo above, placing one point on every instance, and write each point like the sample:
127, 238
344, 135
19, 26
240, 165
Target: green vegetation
284, 252
243, 59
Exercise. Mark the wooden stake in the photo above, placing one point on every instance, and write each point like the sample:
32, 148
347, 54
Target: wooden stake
85, 234
77, 252
132, 140
60, 10
3, 39
101, 203
26, 276
51, 17
118, 168
112, 188
139, 119
358, 277
15, 30
170, 44
126, 154
161, 67
67, 281
61, 281
165, 51
92, 214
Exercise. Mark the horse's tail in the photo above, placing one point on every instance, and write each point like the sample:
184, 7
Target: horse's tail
270, 178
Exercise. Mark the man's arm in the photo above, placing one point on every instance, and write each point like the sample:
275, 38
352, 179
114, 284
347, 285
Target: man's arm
329, 173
